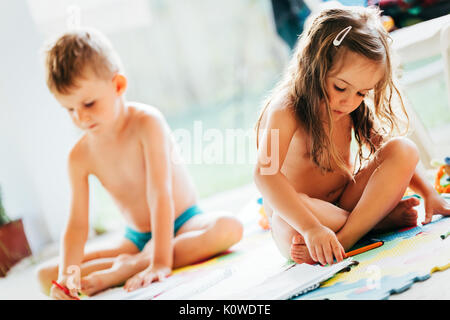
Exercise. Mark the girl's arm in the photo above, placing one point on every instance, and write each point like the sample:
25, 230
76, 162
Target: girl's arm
77, 228
274, 186
321, 242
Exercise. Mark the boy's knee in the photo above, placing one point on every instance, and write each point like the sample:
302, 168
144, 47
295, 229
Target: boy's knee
229, 227
404, 149
45, 274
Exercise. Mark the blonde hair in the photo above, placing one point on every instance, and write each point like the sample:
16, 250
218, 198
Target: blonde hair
68, 58
305, 89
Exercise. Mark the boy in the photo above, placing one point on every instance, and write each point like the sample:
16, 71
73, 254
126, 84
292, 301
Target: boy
129, 149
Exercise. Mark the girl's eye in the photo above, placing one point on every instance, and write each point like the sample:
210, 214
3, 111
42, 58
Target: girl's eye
89, 104
70, 110
361, 94
339, 89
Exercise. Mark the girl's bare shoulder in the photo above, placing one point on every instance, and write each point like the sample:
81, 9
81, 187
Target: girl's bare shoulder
280, 113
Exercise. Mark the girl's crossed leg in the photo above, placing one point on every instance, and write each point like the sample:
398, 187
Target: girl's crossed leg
372, 202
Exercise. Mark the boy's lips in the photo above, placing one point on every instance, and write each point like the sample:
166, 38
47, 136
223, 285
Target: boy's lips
92, 126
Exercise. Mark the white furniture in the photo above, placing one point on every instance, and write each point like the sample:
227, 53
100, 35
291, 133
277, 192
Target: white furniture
417, 42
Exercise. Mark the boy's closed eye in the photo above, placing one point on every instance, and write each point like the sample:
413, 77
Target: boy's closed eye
89, 104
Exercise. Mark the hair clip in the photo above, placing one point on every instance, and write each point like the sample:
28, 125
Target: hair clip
344, 32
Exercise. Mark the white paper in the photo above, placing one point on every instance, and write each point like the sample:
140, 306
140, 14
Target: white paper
291, 282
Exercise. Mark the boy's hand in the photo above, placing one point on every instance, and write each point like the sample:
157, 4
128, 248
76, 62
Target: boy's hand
68, 282
323, 244
147, 276
435, 204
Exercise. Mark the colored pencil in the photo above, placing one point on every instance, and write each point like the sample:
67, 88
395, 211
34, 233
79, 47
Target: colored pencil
66, 291
364, 249
445, 235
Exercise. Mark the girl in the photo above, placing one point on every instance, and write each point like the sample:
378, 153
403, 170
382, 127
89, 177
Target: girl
339, 83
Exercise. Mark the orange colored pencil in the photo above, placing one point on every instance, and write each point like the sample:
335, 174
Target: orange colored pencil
364, 249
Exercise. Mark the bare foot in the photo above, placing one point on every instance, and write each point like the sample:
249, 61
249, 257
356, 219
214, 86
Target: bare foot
123, 268
299, 251
105, 279
403, 215
91, 284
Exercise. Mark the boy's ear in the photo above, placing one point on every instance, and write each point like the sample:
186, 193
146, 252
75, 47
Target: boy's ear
120, 83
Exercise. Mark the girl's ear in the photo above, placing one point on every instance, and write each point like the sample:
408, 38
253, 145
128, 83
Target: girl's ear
120, 83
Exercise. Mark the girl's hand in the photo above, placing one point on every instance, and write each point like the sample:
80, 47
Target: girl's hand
435, 204
323, 244
147, 276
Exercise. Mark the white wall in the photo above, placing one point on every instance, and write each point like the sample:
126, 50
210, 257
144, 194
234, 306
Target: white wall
35, 133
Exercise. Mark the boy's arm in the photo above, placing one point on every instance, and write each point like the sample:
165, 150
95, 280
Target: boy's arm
77, 227
156, 146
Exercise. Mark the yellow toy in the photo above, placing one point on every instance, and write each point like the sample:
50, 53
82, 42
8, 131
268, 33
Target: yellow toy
263, 220
388, 23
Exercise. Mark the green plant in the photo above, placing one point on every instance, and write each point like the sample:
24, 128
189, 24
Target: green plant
4, 219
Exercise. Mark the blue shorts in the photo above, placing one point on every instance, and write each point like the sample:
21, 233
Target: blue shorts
140, 239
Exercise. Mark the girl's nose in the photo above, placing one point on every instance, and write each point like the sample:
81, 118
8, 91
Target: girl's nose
345, 99
350, 101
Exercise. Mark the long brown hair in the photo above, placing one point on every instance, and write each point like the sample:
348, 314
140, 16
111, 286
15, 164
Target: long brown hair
304, 82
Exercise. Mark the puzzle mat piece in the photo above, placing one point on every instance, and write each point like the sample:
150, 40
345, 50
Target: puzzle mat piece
406, 257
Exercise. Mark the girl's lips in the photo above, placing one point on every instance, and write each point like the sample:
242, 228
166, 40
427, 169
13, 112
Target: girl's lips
92, 126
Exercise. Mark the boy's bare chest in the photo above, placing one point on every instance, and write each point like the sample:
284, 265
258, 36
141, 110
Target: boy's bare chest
119, 167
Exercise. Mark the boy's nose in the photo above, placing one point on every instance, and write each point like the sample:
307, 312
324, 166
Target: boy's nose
82, 116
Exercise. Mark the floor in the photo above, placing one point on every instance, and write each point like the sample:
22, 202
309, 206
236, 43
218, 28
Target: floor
21, 281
